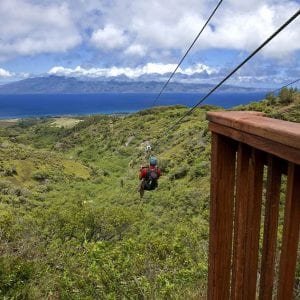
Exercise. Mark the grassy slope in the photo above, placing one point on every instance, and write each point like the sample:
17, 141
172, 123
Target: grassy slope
72, 224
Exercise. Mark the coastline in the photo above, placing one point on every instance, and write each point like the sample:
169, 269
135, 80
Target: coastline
12, 120
50, 106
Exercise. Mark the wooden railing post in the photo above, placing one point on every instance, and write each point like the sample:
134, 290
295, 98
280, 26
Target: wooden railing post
290, 237
221, 216
270, 229
247, 222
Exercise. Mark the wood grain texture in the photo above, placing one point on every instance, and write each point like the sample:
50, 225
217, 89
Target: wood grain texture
290, 239
256, 167
250, 163
283, 151
286, 133
221, 216
270, 228
240, 222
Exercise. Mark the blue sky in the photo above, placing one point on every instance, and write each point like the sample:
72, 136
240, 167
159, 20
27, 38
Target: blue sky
96, 38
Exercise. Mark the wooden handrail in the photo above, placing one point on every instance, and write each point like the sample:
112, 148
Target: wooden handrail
243, 145
277, 137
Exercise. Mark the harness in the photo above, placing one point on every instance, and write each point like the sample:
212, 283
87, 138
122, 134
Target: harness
151, 179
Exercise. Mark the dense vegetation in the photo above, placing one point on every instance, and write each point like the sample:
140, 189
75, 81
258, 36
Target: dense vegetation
72, 225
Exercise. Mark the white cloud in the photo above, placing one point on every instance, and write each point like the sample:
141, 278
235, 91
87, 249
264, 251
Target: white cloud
135, 49
126, 32
108, 38
199, 68
29, 28
258, 75
150, 68
245, 30
5, 73
241, 25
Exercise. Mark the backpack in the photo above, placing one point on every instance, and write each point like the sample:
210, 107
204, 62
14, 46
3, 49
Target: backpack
151, 179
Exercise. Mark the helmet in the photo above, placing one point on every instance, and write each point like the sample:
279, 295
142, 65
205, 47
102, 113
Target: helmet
153, 161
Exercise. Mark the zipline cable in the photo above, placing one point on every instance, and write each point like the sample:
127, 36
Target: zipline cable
290, 20
186, 53
286, 85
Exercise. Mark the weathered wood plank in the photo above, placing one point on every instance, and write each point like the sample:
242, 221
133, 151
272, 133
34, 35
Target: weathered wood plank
283, 151
221, 216
287, 133
270, 228
255, 186
288, 258
247, 222
240, 222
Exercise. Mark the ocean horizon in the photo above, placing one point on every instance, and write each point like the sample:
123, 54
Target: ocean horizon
49, 105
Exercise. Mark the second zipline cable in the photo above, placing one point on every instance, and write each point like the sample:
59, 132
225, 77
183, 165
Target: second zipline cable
290, 20
186, 53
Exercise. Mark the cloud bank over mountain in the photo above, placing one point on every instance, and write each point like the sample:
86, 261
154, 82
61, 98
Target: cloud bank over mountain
148, 69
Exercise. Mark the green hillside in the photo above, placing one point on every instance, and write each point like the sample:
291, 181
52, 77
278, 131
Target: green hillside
72, 224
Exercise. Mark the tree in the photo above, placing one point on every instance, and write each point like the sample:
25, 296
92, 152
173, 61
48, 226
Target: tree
286, 96
271, 98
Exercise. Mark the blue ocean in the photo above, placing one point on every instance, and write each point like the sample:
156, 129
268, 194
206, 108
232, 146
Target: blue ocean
24, 106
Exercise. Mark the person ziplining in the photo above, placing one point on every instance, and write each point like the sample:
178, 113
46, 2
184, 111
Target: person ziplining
149, 176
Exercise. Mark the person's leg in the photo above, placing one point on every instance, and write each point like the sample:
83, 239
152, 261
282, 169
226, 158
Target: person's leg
142, 188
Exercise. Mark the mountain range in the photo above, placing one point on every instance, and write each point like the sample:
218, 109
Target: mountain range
121, 84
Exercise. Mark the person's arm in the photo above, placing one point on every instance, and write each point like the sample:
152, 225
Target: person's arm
142, 173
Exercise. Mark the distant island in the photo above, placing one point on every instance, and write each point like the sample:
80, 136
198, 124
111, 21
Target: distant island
121, 84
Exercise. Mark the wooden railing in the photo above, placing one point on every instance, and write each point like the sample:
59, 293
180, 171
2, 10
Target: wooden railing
249, 149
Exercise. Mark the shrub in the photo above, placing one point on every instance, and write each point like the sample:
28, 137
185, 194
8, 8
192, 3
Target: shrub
271, 98
286, 96
179, 172
14, 274
9, 171
199, 170
164, 164
40, 175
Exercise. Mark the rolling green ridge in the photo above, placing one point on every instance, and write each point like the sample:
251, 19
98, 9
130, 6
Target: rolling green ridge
72, 224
